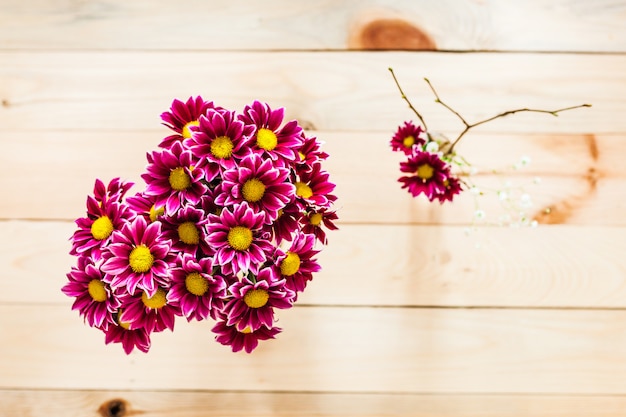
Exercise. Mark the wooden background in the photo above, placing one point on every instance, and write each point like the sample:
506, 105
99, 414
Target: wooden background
411, 316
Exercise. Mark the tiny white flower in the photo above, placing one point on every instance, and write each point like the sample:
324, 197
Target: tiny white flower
503, 195
537, 180
479, 214
432, 147
525, 161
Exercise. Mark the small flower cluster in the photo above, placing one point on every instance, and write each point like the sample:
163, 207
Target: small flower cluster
226, 229
427, 170
432, 167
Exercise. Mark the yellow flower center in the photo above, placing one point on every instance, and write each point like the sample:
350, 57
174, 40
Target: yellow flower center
303, 190
246, 330
188, 233
253, 190
179, 180
123, 324
425, 171
196, 284
158, 300
408, 141
96, 290
156, 212
186, 131
256, 298
222, 147
140, 259
301, 155
266, 139
240, 238
101, 228
290, 265
315, 219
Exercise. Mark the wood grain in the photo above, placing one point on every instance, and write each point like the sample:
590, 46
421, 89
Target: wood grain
105, 91
366, 350
40, 403
536, 25
582, 176
390, 265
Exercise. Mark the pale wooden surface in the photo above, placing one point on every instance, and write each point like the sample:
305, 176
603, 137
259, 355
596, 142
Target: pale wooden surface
411, 315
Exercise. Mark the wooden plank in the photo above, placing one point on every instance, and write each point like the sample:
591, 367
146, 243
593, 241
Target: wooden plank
386, 350
393, 265
582, 175
278, 24
324, 90
40, 403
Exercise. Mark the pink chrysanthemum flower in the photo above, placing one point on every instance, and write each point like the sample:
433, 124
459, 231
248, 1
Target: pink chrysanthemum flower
129, 338
152, 313
313, 187
279, 143
183, 118
236, 237
186, 230
220, 141
197, 291
94, 299
172, 178
312, 223
310, 152
428, 174
257, 181
138, 257
145, 205
105, 214
287, 222
253, 303
407, 138
297, 264
453, 187
246, 339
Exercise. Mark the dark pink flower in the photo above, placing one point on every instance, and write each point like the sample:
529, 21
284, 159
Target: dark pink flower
220, 141
197, 291
149, 312
185, 229
183, 118
270, 137
145, 205
313, 187
245, 339
237, 238
297, 265
453, 187
137, 258
314, 220
407, 138
105, 214
427, 173
129, 338
310, 152
287, 222
94, 298
257, 181
253, 300
172, 177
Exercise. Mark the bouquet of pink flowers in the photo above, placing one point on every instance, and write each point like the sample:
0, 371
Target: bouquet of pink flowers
226, 228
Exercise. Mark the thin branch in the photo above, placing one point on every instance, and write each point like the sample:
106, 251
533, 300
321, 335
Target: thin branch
438, 100
405, 98
468, 126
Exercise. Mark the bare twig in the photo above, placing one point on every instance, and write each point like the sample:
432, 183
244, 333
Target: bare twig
468, 125
405, 98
